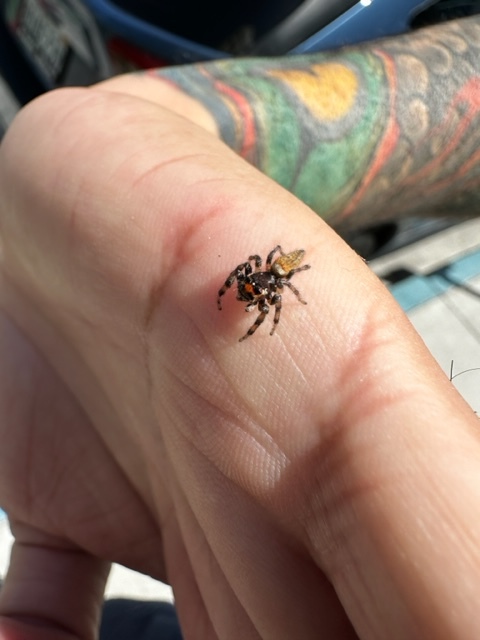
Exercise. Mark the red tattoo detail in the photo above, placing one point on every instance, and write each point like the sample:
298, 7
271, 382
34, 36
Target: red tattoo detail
245, 111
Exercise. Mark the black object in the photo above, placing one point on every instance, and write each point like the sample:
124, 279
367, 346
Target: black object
124, 619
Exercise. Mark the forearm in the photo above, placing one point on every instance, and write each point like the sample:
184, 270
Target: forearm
387, 129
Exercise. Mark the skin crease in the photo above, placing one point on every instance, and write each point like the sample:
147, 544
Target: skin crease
323, 481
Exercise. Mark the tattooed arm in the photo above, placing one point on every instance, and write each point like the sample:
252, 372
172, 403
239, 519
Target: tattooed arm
387, 129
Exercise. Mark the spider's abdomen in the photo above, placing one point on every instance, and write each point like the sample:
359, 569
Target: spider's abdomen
255, 286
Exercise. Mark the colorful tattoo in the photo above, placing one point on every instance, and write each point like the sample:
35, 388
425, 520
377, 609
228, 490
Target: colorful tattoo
387, 129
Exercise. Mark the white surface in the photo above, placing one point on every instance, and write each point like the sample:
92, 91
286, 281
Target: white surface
5, 544
449, 323
124, 583
433, 252
448, 327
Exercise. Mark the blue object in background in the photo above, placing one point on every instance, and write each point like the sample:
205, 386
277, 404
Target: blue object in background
366, 20
311, 25
169, 46
52, 43
417, 289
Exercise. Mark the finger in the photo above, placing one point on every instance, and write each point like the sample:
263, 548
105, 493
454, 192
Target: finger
51, 590
56, 474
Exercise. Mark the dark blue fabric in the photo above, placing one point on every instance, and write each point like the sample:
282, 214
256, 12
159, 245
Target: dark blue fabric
124, 619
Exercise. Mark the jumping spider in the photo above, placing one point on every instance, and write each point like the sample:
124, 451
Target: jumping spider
259, 288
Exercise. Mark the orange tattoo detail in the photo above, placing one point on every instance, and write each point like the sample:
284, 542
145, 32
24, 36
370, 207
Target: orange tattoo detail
328, 90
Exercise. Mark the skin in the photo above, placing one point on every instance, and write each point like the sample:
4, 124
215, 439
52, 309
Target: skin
321, 482
364, 134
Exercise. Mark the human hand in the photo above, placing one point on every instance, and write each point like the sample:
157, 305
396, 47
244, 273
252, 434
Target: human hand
323, 481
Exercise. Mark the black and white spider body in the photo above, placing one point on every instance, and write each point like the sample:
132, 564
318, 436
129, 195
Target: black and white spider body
261, 288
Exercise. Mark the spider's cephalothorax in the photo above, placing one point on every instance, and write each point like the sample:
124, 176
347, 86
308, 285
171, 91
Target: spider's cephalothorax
261, 288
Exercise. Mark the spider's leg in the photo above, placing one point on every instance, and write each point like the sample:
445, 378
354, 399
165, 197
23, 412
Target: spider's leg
258, 262
264, 308
271, 254
277, 301
294, 290
235, 275
251, 306
294, 271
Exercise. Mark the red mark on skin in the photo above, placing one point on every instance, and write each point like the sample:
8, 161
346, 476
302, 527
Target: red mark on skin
387, 144
246, 115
